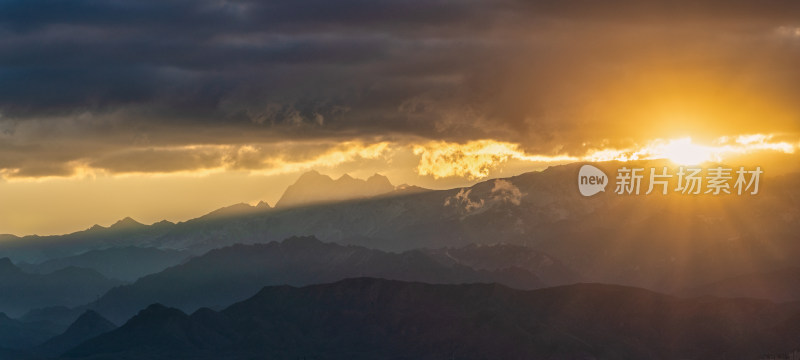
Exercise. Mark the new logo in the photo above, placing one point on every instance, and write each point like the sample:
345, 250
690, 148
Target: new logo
591, 180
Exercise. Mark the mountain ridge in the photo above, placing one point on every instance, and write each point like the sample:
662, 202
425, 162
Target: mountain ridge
90, 324
21, 291
368, 318
229, 274
315, 188
662, 242
140, 261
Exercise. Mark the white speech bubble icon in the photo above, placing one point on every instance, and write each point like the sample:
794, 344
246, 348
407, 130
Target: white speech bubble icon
591, 180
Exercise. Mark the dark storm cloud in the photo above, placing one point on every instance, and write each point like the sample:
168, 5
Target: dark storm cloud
225, 61
547, 74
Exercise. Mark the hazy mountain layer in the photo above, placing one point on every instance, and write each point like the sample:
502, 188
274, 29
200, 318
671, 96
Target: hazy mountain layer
227, 275
501, 256
34, 249
15, 334
661, 242
124, 263
21, 291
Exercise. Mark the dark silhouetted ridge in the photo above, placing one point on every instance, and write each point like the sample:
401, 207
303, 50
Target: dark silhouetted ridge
155, 330
15, 334
369, 318
87, 326
8, 268
138, 261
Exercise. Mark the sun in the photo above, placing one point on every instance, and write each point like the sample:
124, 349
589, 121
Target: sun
683, 152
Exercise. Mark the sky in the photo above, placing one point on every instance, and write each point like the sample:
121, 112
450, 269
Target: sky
170, 109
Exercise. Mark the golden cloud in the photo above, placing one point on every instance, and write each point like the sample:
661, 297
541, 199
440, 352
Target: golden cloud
204, 159
342, 153
439, 159
474, 159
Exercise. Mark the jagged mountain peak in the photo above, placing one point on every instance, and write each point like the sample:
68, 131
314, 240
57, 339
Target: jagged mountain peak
97, 227
313, 187
163, 223
345, 177
378, 178
313, 174
90, 319
87, 326
126, 223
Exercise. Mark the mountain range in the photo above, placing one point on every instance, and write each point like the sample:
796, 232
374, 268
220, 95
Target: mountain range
16, 334
667, 243
123, 263
368, 318
224, 276
315, 188
21, 291
34, 249
506, 268
89, 325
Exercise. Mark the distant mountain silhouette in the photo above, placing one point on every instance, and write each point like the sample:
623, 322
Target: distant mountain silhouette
668, 243
21, 291
34, 249
313, 188
87, 326
381, 319
159, 332
409, 189
126, 224
236, 210
15, 334
123, 263
224, 276
59, 317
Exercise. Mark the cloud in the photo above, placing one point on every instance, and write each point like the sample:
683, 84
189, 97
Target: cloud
257, 159
462, 203
474, 159
437, 159
502, 192
505, 191
89, 81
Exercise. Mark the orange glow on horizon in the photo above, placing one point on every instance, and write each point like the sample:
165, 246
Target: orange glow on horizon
683, 151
